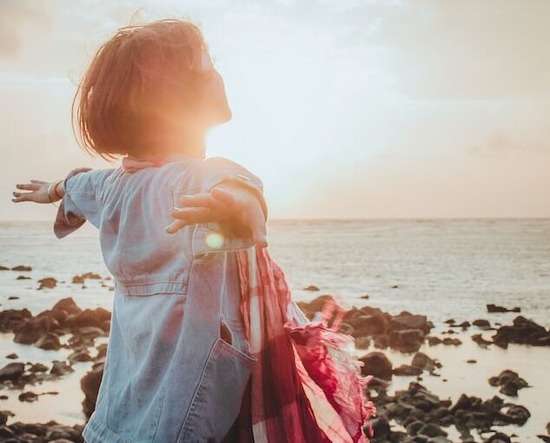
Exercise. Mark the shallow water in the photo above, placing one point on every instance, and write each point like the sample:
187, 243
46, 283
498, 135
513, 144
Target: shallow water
441, 268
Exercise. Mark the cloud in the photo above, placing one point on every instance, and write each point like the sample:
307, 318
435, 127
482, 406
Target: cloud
17, 19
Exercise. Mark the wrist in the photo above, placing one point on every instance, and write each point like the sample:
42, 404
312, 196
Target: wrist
56, 191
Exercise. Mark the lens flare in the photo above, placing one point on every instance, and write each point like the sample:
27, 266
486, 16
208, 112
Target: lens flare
214, 240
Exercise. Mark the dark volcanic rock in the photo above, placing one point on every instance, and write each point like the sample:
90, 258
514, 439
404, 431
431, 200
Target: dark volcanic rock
312, 288
370, 325
40, 432
12, 356
316, 305
12, 371
405, 320
407, 340
80, 356
478, 338
509, 381
23, 277
22, 268
28, 396
60, 368
97, 317
47, 282
407, 370
38, 367
67, 305
424, 415
449, 341
492, 309
49, 342
482, 323
33, 329
522, 331
498, 437
377, 364
422, 361
90, 386
405, 332
4, 268
362, 342
11, 319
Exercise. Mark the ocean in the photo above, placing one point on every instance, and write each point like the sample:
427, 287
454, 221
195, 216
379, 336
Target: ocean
441, 268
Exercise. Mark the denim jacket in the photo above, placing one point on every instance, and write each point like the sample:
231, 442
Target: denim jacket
171, 375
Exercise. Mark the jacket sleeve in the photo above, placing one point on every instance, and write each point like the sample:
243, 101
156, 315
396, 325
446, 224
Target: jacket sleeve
214, 171
218, 170
80, 202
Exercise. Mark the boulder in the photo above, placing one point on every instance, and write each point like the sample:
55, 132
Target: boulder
12, 371
509, 381
407, 340
478, 338
423, 362
522, 331
368, 325
377, 364
482, 323
60, 368
498, 437
49, 342
11, 319
38, 367
80, 356
314, 306
28, 396
33, 329
97, 317
406, 320
47, 283
90, 386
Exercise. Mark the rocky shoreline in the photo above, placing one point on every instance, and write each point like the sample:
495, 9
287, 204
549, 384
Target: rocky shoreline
414, 414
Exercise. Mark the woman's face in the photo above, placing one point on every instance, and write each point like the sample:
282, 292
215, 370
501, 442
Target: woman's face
215, 105
221, 112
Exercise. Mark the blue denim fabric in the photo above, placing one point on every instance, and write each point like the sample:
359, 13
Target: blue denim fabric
169, 375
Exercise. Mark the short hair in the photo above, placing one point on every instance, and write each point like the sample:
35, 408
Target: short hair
135, 84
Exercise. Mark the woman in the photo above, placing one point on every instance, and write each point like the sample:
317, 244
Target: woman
190, 321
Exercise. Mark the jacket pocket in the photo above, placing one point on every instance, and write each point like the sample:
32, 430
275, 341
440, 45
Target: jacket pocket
217, 400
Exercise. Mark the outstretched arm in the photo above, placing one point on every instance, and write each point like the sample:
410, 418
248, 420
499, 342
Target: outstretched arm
38, 191
239, 209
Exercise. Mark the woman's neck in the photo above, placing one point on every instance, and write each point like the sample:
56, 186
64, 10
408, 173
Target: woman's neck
190, 144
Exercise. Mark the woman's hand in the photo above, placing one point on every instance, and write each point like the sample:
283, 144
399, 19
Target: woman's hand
237, 210
38, 192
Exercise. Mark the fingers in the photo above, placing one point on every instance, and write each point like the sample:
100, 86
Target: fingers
223, 196
28, 186
189, 216
175, 226
21, 197
197, 200
193, 215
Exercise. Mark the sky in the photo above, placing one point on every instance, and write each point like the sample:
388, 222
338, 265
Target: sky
344, 108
